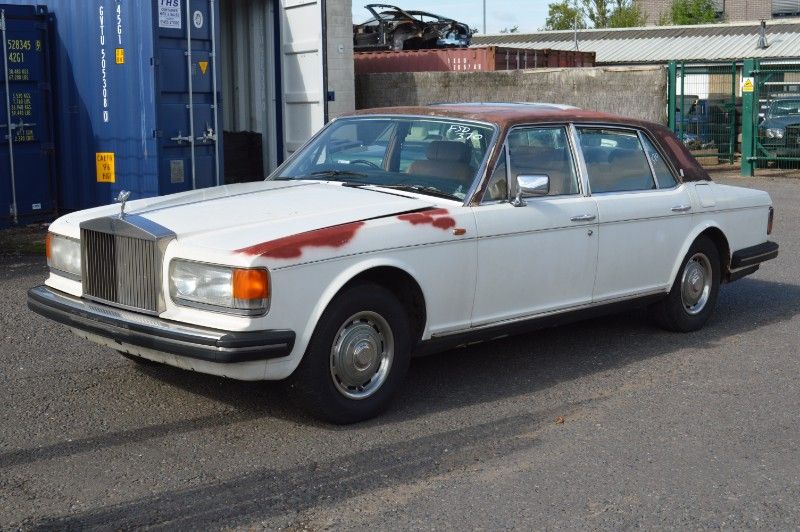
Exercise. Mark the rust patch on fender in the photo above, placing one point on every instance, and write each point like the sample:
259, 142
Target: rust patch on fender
291, 247
435, 217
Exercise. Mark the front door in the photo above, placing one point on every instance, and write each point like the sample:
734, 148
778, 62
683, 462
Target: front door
539, 257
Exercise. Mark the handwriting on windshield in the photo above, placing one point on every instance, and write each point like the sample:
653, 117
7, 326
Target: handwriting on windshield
464, 133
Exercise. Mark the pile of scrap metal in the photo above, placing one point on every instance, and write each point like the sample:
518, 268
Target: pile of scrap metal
391, 28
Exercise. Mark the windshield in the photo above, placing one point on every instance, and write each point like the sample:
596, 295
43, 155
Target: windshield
434, 156
785, 108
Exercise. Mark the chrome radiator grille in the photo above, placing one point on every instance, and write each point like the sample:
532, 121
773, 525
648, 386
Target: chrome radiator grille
793, 136
122, 264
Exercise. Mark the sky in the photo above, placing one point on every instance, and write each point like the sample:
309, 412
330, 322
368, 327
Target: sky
529, 15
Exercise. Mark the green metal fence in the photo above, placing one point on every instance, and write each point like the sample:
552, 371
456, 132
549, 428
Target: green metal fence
705, 110
772, 94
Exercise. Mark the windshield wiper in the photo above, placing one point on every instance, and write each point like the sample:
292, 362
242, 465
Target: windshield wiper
336, 173
422, 189
320, 174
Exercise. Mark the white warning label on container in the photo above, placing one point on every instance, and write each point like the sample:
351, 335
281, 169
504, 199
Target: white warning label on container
169, 14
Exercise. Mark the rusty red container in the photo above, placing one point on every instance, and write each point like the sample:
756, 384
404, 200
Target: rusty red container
489, 58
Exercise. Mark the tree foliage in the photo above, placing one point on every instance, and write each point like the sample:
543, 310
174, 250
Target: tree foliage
563, 16
512, 29
626, 15
687, 12
595, 13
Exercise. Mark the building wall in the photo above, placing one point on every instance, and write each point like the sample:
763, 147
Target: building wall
339, 38
745, 10
733, 10
639, 92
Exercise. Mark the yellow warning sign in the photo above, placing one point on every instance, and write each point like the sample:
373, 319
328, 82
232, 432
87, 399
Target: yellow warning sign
203, 66
747, 85
105, 167
120, 56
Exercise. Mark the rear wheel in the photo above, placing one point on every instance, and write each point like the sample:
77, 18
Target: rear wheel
357, 358
693, 296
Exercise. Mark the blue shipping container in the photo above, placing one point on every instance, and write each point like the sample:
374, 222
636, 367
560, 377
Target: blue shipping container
26, 123
134, 102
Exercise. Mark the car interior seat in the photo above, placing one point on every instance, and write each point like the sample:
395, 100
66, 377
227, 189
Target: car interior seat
445, 160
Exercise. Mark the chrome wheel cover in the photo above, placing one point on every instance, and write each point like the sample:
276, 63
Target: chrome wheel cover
696, 283
361, 355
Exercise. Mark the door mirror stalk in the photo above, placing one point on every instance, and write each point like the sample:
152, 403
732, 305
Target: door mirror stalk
530, 186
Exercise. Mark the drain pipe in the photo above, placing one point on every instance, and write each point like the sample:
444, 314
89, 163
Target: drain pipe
217, 132
191, 88
8, 115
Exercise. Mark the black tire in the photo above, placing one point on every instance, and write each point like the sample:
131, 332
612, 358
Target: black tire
674, 313
314, 385
138, 360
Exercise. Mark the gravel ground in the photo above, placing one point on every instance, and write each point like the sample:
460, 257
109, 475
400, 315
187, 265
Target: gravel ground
659, 430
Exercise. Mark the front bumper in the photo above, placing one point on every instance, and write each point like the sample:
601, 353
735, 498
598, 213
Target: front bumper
132, 328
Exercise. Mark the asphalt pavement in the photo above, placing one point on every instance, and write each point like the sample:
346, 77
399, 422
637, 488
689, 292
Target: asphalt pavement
609, 423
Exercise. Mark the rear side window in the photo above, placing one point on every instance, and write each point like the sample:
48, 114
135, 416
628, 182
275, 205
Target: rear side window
663, 174
615, 160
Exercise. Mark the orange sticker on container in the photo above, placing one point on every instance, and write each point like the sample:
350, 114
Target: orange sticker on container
203, 66
120, 56
105, 167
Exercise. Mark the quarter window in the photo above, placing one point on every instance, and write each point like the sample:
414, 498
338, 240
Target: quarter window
543, 151
615, 160
663, 174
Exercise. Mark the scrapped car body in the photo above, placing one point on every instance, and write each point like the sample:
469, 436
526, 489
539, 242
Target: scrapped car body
392, 28
405, 231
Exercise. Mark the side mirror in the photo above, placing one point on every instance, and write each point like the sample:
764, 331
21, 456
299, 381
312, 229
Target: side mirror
531, 186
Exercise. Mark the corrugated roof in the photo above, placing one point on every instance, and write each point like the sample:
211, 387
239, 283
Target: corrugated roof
660, 44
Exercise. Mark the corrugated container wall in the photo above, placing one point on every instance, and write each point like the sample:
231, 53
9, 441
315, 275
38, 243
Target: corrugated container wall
488, 58
122, 98
27, 163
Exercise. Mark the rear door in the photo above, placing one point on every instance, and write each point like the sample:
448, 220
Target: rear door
302, 71
644, 221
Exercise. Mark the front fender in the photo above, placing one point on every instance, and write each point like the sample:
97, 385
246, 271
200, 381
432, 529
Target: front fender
280, 369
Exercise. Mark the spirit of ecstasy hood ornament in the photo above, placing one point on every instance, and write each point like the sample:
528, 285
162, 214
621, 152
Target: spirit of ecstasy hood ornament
121, 199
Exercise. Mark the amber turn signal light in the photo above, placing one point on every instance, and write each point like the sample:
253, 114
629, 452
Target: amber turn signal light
250, 284
48, 241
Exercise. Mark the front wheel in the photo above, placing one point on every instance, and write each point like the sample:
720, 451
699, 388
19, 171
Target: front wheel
693, 296
357, 358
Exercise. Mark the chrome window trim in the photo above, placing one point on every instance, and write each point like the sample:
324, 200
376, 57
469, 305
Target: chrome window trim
480, 173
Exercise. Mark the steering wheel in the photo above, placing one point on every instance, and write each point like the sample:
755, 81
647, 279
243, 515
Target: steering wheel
366, 163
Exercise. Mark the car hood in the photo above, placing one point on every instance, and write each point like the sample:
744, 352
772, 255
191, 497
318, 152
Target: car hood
780, 122
235, 216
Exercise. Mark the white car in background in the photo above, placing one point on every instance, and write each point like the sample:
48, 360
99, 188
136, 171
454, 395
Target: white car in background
403, 231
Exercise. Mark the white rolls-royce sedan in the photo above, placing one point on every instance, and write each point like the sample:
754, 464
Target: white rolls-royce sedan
402, 231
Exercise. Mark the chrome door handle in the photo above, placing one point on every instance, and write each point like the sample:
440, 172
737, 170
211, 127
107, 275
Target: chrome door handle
583, 218
681, 208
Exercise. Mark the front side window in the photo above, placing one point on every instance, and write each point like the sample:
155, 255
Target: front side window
432, 155
543, 151
615, 160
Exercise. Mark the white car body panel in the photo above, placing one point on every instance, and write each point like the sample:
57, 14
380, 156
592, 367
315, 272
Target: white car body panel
477, 266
